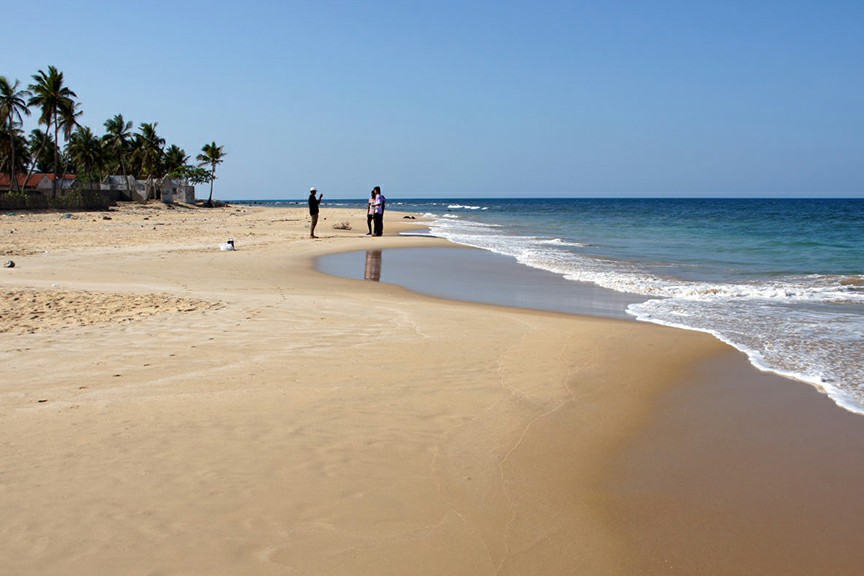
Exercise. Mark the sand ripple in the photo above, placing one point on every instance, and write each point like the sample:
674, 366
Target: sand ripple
29, 311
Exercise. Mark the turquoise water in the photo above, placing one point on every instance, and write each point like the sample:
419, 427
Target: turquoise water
780, 279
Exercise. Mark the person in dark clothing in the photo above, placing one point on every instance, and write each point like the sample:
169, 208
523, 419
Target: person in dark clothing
378, 218
313, 210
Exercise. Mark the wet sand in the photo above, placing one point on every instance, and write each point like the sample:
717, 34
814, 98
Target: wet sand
242, 413
741, 472
735, 471
473, 275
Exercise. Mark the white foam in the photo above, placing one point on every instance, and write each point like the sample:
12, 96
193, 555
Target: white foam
811, 370
772, 322
560, 242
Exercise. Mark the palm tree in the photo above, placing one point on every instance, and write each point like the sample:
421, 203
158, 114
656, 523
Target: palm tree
213, 155
172, 160
40, 156
13, 103
118, 139
57, 106
148, 148
68, 119
175, 157
14, 154
68, 123
87, 153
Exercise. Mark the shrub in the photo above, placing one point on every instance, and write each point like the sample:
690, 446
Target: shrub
70, 200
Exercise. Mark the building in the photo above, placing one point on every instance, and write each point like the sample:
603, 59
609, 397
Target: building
38, 182
124, 189
174, 190
165, 189
6, 182
113, 187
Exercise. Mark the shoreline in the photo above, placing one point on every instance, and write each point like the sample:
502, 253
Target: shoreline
490, 278
470, 274
247, 425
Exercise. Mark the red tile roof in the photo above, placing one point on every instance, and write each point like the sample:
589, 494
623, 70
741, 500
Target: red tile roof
32, 182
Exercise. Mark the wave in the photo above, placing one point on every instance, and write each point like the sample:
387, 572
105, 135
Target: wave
632, 278
806, 327
791, 343
463, 207
560, 242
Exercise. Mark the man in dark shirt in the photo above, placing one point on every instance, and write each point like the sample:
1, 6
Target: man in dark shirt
378, 217
313, 210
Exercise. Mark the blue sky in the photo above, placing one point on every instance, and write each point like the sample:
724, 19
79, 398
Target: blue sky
475, 99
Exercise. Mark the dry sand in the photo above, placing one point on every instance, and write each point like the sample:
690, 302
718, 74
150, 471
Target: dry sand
170, 408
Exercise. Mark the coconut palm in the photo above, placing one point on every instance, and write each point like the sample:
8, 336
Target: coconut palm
41, 156
13, 103
211, 155
149, 148
57, 106
14, 154
149, 152
87, 153
68, 124
118, 139
68, 119
175, 157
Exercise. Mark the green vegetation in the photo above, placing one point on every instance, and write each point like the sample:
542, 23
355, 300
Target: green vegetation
211, 154
71, 200
62, 145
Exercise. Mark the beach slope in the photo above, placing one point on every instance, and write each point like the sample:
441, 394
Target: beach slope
167, 407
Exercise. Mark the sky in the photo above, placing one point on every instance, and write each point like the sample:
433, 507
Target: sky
464, 98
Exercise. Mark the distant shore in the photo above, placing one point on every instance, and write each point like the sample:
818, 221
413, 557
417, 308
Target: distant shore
171, 407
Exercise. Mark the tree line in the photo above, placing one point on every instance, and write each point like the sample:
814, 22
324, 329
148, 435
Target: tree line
141, 154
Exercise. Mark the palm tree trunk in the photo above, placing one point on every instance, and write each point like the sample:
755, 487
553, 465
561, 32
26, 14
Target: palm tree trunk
65, 168
35, 159
161, 186
13, 181
210, 199
56, 157
126, 178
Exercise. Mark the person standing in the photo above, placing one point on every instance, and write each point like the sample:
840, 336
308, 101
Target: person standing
313, 210
378, 218
370, 212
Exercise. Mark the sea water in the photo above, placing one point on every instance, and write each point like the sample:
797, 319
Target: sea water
779, 279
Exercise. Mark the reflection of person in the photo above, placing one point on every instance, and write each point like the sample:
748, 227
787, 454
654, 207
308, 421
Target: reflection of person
373, 265
378, 218
370, 212
313, 210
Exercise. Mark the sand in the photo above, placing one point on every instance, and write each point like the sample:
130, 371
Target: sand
170, 408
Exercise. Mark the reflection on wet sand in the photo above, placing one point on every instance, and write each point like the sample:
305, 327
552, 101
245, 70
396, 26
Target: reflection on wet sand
373, 265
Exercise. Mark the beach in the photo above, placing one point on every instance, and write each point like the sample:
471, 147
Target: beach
168, 407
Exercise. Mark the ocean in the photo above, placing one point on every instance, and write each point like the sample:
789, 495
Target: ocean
782, 280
